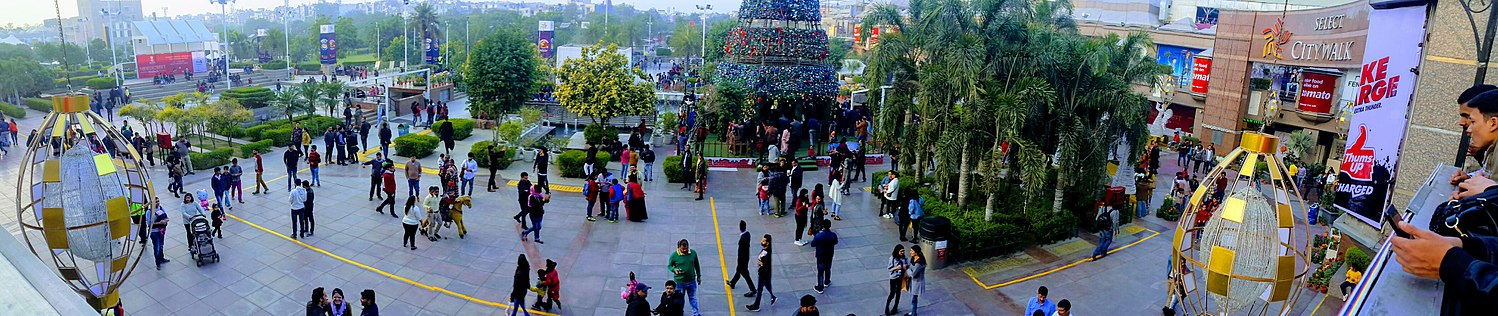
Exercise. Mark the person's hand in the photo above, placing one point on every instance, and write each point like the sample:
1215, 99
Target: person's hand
1422, 255
1458, 176
1474, 185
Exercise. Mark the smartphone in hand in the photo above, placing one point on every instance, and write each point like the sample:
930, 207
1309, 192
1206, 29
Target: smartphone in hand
1394, 219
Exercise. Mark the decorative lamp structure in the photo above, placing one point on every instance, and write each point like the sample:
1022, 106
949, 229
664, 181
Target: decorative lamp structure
1242, 250
75, 200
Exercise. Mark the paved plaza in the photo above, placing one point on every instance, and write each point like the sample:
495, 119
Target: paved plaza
264, 272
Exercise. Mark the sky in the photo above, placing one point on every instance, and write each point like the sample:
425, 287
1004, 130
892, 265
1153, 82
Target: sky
35, 11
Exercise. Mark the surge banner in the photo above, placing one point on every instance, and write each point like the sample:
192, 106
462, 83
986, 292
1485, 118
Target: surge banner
327, 44
1376, 125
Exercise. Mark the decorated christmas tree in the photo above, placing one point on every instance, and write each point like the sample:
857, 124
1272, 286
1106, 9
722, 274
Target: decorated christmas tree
778, 52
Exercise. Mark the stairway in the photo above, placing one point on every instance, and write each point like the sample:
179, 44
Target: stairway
152, 91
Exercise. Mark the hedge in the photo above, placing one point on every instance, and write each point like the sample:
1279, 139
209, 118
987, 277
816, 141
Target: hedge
462, 128
12, 110
75, 80
415, 145
101, 83
571, 162
278, 136
599, 134
1358, 259
254, 131
309, 66
480, 152
239, 64
273, 65
247, 150
672, 167
250, 97
973, 238
39, 104
208, 160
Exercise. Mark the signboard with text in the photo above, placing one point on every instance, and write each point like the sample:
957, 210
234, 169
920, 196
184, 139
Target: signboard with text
1366, 180
327, 45
164, 64
1317, 90
1330, 37
1201, 72
543, 39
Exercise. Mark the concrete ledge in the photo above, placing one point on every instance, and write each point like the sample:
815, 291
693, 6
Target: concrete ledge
42, 293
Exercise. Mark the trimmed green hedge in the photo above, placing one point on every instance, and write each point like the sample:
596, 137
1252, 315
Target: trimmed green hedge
278, 136
239, 64
462, 128
480, 152
273, 65
208, 160
1358, 259
254, 131
571, 162
12, 110
246, 150
250, 97
973, 238
309, 66
75, 80
38, 104
102, 83
599, 134
672, 167
415, 145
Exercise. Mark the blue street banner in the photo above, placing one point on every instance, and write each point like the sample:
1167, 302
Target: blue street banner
327, 44
543, 39
433, 48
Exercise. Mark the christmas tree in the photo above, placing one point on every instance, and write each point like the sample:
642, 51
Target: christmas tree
779, 53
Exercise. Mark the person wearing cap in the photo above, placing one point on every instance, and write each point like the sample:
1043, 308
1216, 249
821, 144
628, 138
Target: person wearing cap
639, 303
808, 306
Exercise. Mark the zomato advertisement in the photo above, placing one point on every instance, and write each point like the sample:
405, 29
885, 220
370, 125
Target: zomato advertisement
1379, 113
1201, 70
163, 64
1316, 91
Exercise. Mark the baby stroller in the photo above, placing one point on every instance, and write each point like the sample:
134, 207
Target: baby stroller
201, 241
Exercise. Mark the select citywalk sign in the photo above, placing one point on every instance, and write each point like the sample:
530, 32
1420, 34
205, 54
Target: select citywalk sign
1366, 179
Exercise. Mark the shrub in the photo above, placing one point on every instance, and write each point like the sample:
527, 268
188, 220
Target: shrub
208, 160
12, 110
672, 167
239, 64
972, 237
101, 84
480, 152
1049, 226
907, 186
1358, 259
509, 130
462, 128
1167, 210
273, 65
415, 145
309, 66
599, 134
278, 136
247, 150
318, 125
571, 162
39, 104
250, 97
254, 132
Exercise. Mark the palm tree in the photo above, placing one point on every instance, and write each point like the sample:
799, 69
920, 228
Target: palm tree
308, 94
289, 102
331, 95
424, 19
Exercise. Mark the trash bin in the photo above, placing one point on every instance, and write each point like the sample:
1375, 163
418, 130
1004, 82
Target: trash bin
935, 230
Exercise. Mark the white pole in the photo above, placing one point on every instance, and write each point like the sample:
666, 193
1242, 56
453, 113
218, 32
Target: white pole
109, 40
377, 43
405, 37
224, 47
286, 34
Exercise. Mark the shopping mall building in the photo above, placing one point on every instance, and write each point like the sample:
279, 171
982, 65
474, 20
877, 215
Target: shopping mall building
1282, 67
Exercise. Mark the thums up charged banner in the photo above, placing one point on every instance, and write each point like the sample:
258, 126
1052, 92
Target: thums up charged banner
1376, 125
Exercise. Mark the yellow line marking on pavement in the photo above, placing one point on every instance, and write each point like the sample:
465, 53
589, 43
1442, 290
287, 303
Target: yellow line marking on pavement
722, 263
1318, 304
1444, 59
985, 286
377, 270
557, 187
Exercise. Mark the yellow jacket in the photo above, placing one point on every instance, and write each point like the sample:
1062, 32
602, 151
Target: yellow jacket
1353, 276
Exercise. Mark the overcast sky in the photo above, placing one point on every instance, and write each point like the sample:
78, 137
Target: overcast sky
33, 12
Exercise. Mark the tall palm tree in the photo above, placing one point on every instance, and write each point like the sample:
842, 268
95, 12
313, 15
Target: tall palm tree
331, 95
288, 102
424, 20
308, 95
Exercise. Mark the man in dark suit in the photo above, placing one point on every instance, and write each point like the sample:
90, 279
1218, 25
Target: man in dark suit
742, 269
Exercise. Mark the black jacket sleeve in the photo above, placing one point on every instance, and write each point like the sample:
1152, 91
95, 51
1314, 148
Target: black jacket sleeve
1469, 270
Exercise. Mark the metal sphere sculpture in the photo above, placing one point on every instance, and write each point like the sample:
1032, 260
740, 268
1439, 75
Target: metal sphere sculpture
1243, 243
75, 201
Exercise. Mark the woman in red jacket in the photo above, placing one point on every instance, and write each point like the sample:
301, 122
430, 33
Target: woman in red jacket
636, 201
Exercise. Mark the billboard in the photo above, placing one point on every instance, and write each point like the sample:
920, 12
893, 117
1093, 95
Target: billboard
1179, 60
199, 62
543, 39
432, 48
1317, 90
1201, 74
1379, 114
167, 64
327, 45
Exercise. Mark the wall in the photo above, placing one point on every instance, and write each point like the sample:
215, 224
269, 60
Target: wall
1448, 69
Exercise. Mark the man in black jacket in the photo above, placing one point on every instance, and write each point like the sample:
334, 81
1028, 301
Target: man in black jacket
495, 154
385, 136
291, 156
446, 133
672, 301
742, 269
639, 302
524, 189
647, 157
363, 133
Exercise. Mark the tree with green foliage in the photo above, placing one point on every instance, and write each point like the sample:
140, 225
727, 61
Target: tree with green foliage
726, 104
599, 84
289, 102
224, 115
686, 40
501, 73
143, 111
23, 76
348, 36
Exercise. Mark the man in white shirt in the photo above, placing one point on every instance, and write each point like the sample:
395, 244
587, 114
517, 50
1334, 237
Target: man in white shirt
891, 192
298, 208
470, 167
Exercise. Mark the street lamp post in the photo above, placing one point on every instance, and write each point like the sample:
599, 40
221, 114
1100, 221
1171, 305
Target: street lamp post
224, 46
1484, 46
114, 60
704, 9
405, 35
286, 34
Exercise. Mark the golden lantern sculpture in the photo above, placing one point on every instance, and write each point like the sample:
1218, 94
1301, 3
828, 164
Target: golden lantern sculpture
75, 200
1250, 256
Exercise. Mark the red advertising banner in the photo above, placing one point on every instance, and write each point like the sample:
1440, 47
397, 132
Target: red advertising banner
1317, 91
163, 64
1201, 71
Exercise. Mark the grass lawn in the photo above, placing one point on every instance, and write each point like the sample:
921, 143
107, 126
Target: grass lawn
361, 58
208, 143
